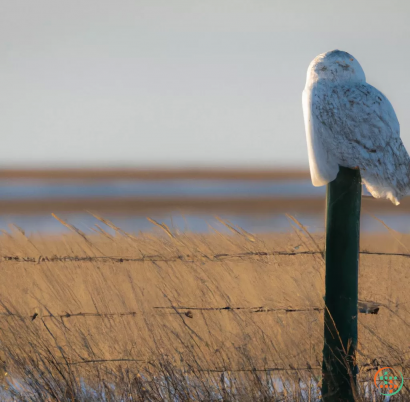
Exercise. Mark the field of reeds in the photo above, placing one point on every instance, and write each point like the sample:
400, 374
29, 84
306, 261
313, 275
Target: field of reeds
178, 316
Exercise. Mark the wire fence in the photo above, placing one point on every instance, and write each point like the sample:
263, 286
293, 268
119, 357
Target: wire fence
364, 307
181, 257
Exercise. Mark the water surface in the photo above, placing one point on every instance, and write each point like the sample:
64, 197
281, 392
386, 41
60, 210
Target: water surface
19, 189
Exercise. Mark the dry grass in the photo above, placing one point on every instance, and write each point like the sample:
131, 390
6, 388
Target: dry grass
181, 316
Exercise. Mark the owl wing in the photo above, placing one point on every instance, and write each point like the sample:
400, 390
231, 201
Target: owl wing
358, 127
323, 168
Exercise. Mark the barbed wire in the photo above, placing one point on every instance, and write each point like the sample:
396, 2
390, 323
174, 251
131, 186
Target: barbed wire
179, 257
366, 367
251, 309
365, 307
187, 313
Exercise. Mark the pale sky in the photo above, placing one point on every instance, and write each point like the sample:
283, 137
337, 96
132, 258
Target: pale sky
181, 82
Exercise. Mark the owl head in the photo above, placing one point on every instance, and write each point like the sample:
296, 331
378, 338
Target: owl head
335, 66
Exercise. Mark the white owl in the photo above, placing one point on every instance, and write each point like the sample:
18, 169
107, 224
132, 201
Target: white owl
350, 123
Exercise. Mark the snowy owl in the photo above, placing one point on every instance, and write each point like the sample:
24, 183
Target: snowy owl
349, 123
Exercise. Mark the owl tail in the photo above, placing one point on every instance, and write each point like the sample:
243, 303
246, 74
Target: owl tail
378, 190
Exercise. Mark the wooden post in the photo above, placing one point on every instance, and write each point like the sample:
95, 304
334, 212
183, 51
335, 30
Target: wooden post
342, 266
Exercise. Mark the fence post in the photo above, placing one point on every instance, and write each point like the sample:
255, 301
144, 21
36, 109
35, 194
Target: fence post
343, 201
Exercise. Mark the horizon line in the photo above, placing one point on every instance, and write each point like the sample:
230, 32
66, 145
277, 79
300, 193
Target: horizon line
162, 173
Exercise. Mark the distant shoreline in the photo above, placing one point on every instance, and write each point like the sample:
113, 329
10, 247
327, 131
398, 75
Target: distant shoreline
155, 174
206, 205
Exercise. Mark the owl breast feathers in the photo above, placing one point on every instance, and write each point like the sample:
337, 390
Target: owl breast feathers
350, 123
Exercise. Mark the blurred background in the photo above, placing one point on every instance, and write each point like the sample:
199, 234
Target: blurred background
179, 110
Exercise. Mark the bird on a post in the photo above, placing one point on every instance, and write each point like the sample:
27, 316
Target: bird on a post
352, 124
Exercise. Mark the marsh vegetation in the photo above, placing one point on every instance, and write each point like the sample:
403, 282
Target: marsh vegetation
177, 316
